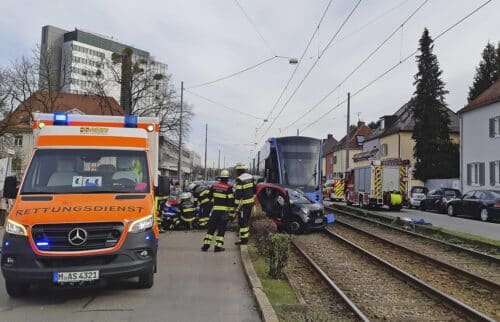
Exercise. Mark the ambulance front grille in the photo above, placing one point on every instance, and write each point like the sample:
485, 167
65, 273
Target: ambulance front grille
76, 236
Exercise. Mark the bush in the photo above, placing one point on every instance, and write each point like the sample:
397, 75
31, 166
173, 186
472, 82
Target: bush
278, 257
261, 231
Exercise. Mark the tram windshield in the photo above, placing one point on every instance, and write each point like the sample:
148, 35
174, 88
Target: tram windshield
299, 160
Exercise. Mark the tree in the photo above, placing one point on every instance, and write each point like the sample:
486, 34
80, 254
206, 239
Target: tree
373, 125
436, 156
144, 90
487, 72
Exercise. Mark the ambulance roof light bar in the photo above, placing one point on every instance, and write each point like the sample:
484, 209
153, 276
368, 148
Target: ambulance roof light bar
60, 118
131, 121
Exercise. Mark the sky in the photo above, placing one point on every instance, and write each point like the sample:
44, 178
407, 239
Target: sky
202, 41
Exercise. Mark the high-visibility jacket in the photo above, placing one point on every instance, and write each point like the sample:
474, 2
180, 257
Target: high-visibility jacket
202, 195
244, 192
222, 197
187, 211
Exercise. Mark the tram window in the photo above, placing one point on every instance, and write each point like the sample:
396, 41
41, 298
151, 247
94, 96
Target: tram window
272, 171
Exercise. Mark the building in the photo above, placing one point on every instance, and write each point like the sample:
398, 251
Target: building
393, 138
327, 159
480, 141
356, 137
81, 63
169, 156
64, 102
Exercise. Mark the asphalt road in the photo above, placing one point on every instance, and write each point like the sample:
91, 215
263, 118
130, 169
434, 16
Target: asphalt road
189, 286
472, 226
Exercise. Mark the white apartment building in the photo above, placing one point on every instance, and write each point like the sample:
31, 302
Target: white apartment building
79, 56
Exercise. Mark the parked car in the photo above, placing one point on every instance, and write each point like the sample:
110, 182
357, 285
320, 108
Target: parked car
417, 194
482, 204
438, 199
328, 189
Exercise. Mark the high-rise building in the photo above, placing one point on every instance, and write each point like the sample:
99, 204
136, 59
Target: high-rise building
81, 62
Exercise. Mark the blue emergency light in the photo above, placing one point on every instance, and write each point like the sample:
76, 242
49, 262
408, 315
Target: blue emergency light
42, 243
130, 121
60, 118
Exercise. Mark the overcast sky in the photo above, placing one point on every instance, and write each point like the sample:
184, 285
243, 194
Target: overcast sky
204, 40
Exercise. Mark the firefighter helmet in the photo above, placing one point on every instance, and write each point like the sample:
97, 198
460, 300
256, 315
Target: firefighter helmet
192, 186
224, 174
185, 196
240, 166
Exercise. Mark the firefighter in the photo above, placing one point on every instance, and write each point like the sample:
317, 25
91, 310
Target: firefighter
186, 211
201, 196
244, 196
222, 197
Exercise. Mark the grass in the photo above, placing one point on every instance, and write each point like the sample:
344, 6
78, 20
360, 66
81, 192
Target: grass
468, 236
278, 291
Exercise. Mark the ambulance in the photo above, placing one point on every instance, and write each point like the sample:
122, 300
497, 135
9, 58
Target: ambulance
84, 211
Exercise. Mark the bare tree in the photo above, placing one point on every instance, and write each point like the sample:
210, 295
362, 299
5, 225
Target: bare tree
144, 90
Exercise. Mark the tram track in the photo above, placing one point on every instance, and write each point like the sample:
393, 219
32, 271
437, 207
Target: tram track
475, 291
379, 289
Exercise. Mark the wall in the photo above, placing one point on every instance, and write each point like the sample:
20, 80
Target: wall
340, 166
476, 145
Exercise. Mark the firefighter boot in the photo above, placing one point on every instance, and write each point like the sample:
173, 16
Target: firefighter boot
219, 249
204, 248
219, 242
206, 242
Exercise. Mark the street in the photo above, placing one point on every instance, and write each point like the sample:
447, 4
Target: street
466, 225
189, 286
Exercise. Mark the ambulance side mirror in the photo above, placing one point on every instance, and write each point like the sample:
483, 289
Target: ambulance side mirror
163, 186
10, 187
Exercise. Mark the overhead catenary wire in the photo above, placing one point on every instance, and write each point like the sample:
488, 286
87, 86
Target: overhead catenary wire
316, 29
397, 64
311, 68
246, 69
370, 55
255, 27
223, 105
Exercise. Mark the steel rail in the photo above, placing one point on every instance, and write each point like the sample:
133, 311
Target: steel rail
451, 301
472, 252
472, 276
332, 284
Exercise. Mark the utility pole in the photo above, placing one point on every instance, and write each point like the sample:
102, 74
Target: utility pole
224, 161
218, 162
206, 137
179, 162
347, 141
297, 132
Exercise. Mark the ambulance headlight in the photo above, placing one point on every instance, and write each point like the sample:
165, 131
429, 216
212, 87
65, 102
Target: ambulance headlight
41, 125
15, 228
141, 224
150, 128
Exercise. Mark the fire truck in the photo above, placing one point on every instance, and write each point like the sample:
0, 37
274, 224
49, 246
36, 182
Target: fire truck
382, 183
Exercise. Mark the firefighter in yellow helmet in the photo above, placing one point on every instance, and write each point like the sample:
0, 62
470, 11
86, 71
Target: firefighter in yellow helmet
222, 197
244, 196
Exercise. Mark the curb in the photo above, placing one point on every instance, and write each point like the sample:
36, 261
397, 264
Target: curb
265, 308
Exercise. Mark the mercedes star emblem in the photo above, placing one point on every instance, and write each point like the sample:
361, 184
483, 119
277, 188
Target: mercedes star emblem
77, 236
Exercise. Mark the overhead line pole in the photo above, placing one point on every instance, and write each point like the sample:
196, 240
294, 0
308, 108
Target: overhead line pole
347, 141
179, 162
206, 140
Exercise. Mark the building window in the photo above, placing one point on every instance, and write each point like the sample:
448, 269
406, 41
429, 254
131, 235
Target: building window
18, 140
495, 173
383, 150
334, 159
495, 127
475, 174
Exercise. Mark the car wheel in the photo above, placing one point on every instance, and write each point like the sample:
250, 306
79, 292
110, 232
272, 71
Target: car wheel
451, 211
146, 280
16, 289
422, 207
360, 202
347, 199
295, 226
484, 215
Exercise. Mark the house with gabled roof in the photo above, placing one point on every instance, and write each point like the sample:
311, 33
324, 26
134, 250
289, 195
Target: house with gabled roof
393, 138
327, 159
480, 141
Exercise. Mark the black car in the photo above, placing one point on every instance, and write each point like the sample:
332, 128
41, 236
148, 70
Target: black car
482, 204
438, 199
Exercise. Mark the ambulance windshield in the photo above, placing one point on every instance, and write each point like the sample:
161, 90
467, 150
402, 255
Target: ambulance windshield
67, 171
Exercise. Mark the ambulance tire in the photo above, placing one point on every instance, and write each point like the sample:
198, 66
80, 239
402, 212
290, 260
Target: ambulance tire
16, 289
146, 280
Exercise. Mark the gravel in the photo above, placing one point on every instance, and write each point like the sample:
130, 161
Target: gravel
485, 299
375, 290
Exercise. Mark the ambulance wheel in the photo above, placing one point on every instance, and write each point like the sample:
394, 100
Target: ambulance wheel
16, 289
146, 280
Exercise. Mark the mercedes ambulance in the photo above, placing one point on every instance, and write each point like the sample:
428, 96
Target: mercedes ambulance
84, 210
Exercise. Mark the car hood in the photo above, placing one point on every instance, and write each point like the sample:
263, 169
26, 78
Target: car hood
50, 209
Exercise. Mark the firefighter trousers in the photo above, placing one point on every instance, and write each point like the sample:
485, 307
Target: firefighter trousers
217, 222
243, 223
204, 215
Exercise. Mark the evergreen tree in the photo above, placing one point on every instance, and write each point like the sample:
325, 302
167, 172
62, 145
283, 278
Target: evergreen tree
487, 72
436, 156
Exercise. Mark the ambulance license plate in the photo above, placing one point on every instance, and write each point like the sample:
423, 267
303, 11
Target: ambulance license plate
69, 277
